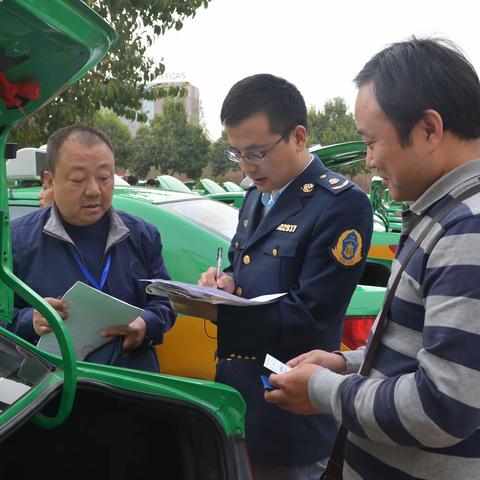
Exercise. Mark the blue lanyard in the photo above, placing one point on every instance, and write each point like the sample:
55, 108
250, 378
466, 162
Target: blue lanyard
87, 274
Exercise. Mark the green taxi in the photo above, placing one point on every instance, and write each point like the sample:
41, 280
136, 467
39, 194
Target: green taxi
61, 418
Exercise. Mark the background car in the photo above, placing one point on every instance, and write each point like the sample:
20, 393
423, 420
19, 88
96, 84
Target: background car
211, 189
232, 187
388, 211
60, 418
168, 182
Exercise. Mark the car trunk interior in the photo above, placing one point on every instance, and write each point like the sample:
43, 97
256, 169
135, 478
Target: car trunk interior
375, 275
114, 435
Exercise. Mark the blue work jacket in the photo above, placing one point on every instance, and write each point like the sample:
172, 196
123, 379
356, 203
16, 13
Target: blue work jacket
42, 258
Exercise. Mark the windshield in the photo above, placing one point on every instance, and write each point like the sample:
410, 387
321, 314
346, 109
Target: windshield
212, 186
20, 370
214, 216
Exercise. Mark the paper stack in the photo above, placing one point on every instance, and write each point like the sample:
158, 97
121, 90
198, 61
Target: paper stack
197, 293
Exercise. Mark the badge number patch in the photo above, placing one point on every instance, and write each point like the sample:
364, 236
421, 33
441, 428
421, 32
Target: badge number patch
285, 227
347, 250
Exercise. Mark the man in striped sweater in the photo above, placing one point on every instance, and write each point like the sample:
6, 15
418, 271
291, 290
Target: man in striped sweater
417, 414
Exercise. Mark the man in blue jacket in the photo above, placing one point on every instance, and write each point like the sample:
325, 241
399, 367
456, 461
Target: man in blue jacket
82, 238
304, 230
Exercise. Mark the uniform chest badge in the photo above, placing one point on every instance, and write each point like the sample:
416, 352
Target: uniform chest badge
286, 227
307, 188
347, 250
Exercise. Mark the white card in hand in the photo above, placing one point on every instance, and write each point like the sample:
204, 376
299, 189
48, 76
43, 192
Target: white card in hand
276, 366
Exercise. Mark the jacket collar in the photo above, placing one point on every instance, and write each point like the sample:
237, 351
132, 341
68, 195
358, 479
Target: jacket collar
117, 232
452, 183
289, 202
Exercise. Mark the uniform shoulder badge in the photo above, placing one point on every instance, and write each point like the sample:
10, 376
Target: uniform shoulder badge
347, 249
307, 188
334, 182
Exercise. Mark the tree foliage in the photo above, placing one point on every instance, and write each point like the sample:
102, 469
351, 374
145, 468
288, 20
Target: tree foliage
121, 80
216, 158
334, 124
110, 123
171, 144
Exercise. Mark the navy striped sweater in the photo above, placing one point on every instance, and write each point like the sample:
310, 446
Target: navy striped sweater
417, 415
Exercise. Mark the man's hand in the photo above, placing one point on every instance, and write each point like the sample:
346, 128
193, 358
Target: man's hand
224, 282
134, 333
292, 390
195, 309
40, 324
333, 361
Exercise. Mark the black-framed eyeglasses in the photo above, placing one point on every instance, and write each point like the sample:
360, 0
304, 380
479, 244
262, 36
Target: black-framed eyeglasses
252, 157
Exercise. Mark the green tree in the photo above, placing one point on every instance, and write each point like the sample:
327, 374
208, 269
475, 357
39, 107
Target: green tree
119, 134
171, 144
121, 80
333, 124
144, 151
220, 164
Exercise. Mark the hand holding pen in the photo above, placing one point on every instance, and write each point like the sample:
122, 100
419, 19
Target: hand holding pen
214, 277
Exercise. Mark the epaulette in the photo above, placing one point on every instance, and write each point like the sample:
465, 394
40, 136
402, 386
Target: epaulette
334, 182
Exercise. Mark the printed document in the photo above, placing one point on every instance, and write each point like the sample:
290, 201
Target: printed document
205, 294
90, 311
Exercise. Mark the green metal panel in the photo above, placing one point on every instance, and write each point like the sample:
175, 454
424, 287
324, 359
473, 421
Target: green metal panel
41, 37
52, 43
340, 154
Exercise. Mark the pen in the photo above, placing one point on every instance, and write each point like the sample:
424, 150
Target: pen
219, 261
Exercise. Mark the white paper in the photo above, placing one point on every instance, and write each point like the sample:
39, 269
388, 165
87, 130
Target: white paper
90, 311
274, 365
198, 293
11, 390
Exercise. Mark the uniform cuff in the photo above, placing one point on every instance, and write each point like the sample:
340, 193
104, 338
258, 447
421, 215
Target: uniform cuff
154, 334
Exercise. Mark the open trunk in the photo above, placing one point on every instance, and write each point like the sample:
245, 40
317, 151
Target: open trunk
112, 434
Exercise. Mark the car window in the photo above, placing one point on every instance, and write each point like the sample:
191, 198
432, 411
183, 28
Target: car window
214, 216
20, 370
21, 210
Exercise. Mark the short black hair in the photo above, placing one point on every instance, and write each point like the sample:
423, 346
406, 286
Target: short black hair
276, 97
413, 76
132, 179
85, 134
151, 181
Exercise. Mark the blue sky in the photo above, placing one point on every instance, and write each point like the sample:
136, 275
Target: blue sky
317, 45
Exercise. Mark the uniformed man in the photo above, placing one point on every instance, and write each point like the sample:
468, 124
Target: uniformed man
304, 230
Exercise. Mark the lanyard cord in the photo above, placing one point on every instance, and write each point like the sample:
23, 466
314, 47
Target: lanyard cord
87, 274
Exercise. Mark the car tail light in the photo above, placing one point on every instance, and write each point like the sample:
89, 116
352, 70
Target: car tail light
393, 248
356, 331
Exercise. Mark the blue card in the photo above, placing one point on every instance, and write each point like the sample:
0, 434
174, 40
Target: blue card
266, 384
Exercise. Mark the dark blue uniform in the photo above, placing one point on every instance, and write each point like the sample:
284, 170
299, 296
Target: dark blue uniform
312, 244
